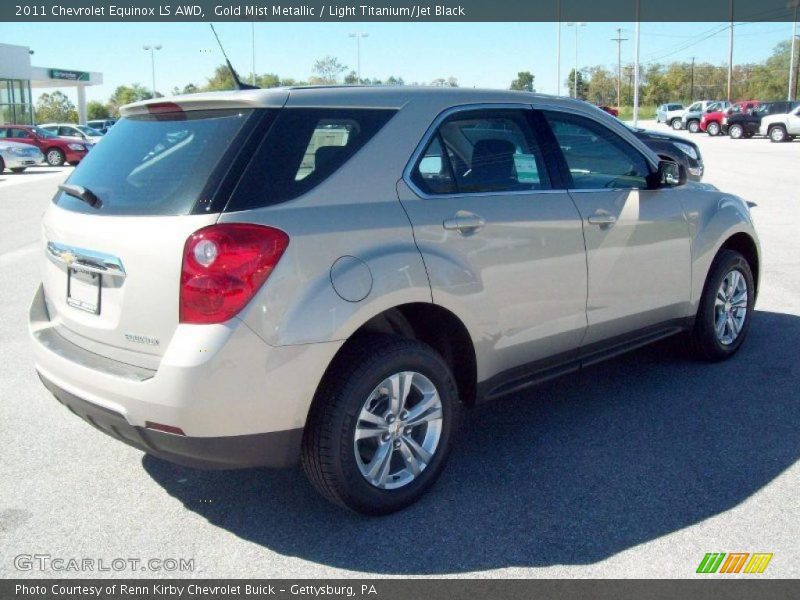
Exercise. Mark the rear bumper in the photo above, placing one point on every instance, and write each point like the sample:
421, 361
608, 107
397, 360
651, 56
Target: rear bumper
274, 449
239, 401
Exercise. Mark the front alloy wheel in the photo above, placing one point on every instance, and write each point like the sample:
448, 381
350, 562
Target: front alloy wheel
736, 132
713, 128
693, 126
730, 307
398, 430
726, 307
55, 158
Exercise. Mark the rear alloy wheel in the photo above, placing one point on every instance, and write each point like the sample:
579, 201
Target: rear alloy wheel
713, 128
778, 134
380, 428
676, 124
736, 132
723, 318
55, 157
693, 126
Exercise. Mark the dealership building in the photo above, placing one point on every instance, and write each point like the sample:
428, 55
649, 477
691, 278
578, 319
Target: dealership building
20, 80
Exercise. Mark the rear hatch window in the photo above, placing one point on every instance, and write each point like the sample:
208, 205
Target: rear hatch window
161, 164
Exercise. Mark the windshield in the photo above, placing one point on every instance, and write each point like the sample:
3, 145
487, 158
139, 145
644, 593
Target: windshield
43, 133
88, 130
160, 164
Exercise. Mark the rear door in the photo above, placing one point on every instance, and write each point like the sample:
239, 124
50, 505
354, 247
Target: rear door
637, 240
112, 271
502, 244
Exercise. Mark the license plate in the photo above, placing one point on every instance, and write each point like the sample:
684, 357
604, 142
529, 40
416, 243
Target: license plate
83, 290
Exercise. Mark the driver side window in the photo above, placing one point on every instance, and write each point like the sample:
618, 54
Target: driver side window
596, 157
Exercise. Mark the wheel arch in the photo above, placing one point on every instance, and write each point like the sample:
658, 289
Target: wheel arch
745, 245
433, 325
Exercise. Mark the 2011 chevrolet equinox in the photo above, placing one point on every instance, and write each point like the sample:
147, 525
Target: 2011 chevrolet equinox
246, 278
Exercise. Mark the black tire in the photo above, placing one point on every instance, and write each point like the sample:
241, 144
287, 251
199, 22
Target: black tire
713, 129
705, 341
328, 454
18, 169
777, 134
736, 132
2, 165
676, 124
55, 157
693, 126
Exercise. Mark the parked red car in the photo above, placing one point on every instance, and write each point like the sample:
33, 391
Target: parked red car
712, 122
57, 150
609, 109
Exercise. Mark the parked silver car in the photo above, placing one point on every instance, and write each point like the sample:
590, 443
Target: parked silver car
239, 279
17, 157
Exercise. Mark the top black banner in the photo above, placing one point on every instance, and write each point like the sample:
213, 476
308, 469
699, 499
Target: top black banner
401, 10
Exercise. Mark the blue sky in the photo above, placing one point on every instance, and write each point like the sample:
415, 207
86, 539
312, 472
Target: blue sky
478, 54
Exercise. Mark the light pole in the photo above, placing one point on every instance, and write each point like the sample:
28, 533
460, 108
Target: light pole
253, 40
152, 50
575, 72
358, 36
792, 4
558, 48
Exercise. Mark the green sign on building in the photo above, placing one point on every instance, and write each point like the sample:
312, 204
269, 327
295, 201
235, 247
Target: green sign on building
69, 75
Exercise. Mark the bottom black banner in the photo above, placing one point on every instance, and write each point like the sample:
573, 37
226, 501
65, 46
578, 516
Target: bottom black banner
396, 589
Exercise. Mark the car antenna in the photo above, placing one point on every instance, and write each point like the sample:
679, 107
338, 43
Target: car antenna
237, 82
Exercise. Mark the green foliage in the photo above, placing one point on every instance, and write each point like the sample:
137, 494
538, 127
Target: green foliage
327, 70
523, 82
581, 87
97, 110
55, 108
125, 94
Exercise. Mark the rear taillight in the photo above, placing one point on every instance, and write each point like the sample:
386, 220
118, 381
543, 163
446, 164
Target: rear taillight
224, 266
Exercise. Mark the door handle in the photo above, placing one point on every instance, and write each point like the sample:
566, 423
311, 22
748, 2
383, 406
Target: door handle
464, 222
602, 219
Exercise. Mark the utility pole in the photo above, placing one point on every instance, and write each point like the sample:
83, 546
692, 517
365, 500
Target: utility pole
253, 40
730, 59
152, 49
792, 76
691, 84
575, 24
619, 39
636, 71
358, 37
558, 48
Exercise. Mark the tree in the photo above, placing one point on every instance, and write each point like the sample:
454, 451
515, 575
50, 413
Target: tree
327, 70
602, 87
523, 82
97, 110
55, 108
392, 80
125, 94
220, 80
351, 78
442, 82
581, 85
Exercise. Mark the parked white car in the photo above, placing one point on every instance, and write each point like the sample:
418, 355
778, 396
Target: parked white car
782, 127
18, 157
670, 114
82, 132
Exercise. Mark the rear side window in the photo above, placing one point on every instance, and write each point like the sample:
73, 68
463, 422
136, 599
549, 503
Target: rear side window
303, 147
476, 152
160, 164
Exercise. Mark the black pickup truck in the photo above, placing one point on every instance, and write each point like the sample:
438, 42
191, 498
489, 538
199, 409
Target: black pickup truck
745, 124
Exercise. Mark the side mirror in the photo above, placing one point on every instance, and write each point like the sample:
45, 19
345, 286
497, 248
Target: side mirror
670, 174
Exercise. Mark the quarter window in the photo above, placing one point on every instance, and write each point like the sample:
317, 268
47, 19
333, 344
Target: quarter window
480, 152
596, 157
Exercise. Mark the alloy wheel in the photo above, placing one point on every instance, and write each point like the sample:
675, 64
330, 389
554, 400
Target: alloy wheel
736, 132
730, 307
398, 430
713, 129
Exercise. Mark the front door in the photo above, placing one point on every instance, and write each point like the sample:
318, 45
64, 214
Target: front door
637, 239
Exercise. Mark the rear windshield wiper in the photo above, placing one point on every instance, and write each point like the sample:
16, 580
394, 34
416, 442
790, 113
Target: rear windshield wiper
81, 193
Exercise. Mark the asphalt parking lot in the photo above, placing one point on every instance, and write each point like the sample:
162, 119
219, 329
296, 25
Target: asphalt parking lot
634, 468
